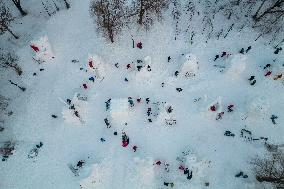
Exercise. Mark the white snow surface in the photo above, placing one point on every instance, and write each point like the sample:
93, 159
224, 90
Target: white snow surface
197, 139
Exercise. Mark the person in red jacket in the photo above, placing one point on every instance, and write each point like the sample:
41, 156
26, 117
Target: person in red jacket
35, 48
139, 45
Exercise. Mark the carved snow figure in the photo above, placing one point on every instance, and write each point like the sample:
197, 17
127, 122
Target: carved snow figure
42, 50
190, 66
76, 110
97, 66
237, 66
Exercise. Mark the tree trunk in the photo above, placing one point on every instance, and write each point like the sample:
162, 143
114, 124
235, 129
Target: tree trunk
111, 36
19, 7
10, 31
268, 10
67, 4
141, 13
269, 179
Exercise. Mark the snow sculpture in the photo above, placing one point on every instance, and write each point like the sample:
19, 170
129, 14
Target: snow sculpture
75, 112
97, 66
99, 178
190, 66
140, 175
144, 76
166, 115
237, 65
199, 167
42, 49
119, 110
258, 107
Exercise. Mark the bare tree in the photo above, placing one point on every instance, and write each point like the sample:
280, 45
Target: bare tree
148, 9
270, 169
19, 7
5, 20
269, 19
8, 60
275, 8
109, 16
176, 13
4, 102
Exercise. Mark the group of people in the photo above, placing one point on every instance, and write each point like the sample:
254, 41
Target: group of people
125, 139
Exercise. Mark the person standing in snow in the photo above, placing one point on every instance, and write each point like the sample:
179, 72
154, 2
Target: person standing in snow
219, 115
171, 184
252, 80
224, 54
216, 57
128, 66
273, 118
108, 104
176, 73
134, 148
278, 50
169, 109
147, 100
148, 112
107, 123
125, 140
92, 79
230, 108
179, 89
130, 101
248, 49
139, 45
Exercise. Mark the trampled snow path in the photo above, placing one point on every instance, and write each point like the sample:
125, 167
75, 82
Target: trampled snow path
196, 130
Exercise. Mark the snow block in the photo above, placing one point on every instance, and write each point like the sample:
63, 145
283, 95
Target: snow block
119, 110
